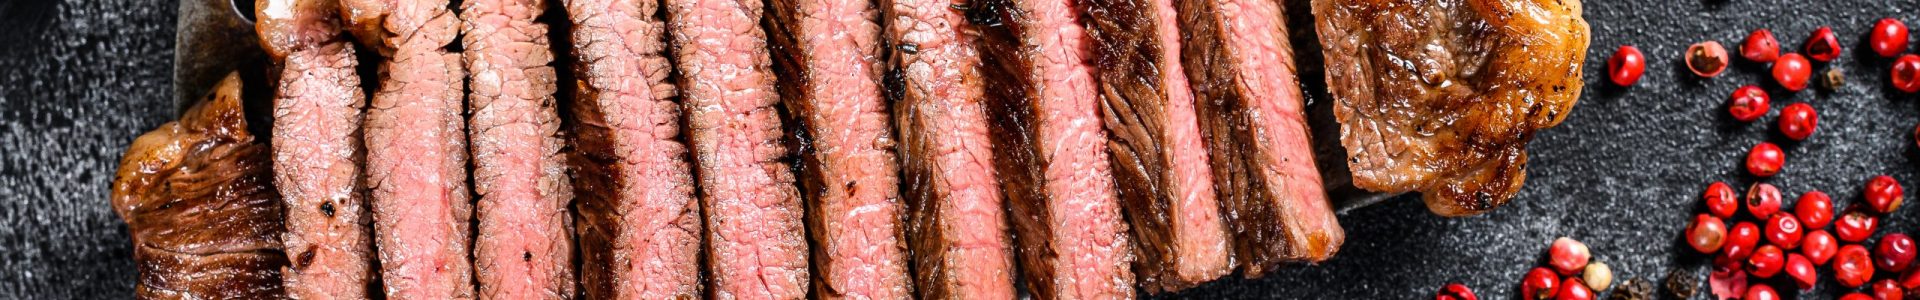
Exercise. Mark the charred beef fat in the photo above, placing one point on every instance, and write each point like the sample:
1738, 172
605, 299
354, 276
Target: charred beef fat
416, 149
198, 199
956, 220
639, 226
316, 150
756, 241
524, 245
827, 55
1052, 152
1161, 166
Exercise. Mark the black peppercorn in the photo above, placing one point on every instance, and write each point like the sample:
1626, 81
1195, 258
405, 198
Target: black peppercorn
1683, 284
1633, 289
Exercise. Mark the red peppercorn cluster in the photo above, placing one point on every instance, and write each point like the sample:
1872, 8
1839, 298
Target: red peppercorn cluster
1566, 274
1785, 248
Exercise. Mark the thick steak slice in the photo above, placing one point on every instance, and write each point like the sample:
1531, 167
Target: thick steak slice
198, 199
827, 53
756, 240
956, 220
1160, 163
524, 245
317, 152
417, 150
639, 224
1052, 151
1442, 96
1242, 65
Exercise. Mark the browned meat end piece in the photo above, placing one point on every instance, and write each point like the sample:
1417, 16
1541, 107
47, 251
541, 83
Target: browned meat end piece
1242, 65
1051, 151
956, 220
639, 226
756, 238
198, 199
827, 54
1442, 96
1161, 164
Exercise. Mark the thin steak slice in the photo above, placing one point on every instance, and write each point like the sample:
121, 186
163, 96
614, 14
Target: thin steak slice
317, 151
956, 220
756, 240
639, 224
1442, 96
1052, 151
1242, 65
524, 245
198, 198
827, 53
416, 149
1160, 162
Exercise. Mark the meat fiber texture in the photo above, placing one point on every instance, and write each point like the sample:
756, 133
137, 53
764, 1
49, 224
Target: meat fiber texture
317, 151
639, 226
1052, 152
416, 149
956, 220
1442, 97
1242, 65
827, 53
198, 199
756, 241
524, 245
1161, 166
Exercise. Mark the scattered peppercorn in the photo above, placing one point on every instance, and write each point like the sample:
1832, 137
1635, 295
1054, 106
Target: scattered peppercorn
1852, 267
1760, 291
1707, 233
1626, 66
1819, 246
1720, 200
1791, 71
1801, 271
1894, 253
1887, 289
1568, 255
1784, 230
1763, 199
1760, 46
1740, 242
1798, 120
1889, 37
1884, 194
1833, 78
1855, 224
1683, 284
1815, 210
1540, 283
1598, 276
1706, 59
1906, 73
1910, 280
1856, 296
1823, 46
1764, 160
1573, 289
1749, 103
1766, 261
1455, 291
1633, 289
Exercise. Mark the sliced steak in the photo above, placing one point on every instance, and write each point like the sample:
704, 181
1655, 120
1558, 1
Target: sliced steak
416, 149
827, 53
1241, 61
756, 238
198, 198
956, 220
524, 245
639, 224
316, 150
1441, 97
1160, 163
1052, 151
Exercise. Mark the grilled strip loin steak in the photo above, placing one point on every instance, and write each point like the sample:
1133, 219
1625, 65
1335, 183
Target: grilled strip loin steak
316, 150
827, 53
956, 220
639, 226
755, 233
416, 149
1442, 96
1052, 152
1161, 166
198, 199
524, 245
1242, 65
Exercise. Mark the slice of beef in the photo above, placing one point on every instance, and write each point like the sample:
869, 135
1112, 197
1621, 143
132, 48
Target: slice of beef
317, 151
524, 245
827, 54
956, 220
1161, 166
416, 149
639, 224
1242, 65
756, 240
1052, 152
1442, 96
198, 199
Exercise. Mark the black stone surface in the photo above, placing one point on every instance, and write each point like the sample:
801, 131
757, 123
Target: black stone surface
80, 78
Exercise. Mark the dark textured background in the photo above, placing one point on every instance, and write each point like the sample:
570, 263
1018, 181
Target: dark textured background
79, 79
